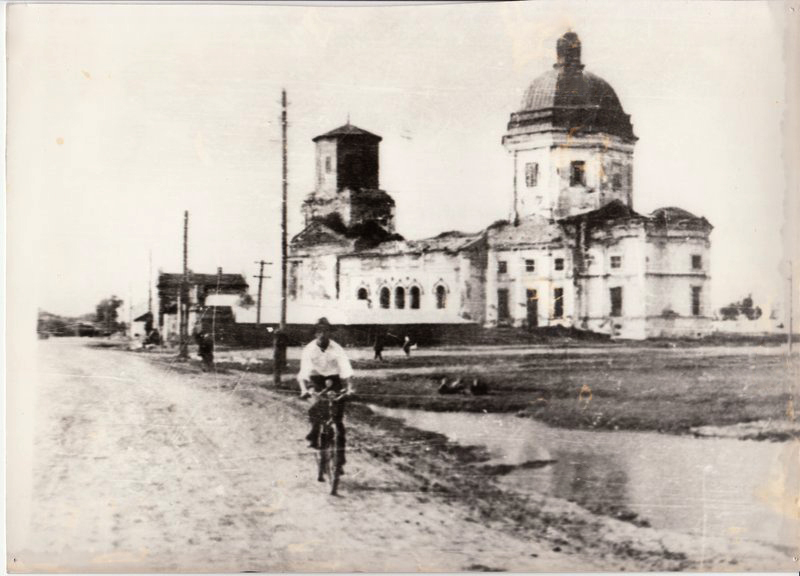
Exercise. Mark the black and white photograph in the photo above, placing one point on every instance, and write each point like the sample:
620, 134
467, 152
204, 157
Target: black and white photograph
398, 287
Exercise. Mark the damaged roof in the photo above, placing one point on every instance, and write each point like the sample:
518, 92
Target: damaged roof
331, 228
533, 229
374, 196
673, 217
450, 242
614, 210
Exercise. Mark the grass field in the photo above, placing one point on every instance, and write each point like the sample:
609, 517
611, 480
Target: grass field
668, 390
642, 390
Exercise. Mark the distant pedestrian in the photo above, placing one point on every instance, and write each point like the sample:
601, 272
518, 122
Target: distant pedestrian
379, 345
205, 346
152, 339
407, 346
279, 343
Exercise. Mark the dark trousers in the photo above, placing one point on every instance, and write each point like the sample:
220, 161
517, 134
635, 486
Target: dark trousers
318, 413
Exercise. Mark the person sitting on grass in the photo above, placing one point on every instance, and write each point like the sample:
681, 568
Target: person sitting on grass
454, 387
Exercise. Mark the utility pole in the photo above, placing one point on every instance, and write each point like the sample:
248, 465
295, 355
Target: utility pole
151, 322
130, 311
183, 353
791, 305
284, 124
260, 277
150, 283
214, 310
279, 338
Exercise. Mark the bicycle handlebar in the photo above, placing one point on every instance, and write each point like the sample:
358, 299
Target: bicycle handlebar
325, 392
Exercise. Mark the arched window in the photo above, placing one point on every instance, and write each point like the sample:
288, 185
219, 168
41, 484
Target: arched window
399, 297
362, 294
413, 294
385, 295
441, 297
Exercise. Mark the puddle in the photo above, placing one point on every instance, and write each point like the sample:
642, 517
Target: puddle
712, 487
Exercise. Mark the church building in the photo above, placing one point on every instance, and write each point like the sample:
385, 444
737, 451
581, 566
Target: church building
574, 253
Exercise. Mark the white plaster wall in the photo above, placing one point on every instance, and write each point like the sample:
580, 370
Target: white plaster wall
539, 199
554, 152
669, 281
472, 274
425, 271
597, 192
517, 281
600, 277
317, 278
326, 181
670, 275
673, 254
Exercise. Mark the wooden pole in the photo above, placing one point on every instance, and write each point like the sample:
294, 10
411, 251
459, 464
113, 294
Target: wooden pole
284, 250
791, 305
150, 283
279, 338
183, 309
515, 207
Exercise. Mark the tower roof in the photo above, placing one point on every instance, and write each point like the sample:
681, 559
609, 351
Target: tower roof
569, 98
347, 131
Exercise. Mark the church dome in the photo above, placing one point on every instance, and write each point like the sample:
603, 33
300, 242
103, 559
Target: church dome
568, 98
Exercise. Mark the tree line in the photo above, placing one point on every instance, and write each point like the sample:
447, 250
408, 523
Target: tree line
104, 320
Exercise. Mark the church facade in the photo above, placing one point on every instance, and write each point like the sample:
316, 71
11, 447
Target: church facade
574, 253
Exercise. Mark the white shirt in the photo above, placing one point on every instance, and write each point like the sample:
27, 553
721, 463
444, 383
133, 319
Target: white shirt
329, 362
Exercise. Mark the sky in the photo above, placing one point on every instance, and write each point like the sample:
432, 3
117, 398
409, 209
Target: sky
120, 117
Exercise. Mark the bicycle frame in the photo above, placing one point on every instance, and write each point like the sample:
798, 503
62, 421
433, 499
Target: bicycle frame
328, 454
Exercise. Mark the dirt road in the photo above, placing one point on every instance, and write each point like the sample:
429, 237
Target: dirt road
137, 468
121, 461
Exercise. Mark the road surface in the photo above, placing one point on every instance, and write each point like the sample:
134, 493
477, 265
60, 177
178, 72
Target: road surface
118, 463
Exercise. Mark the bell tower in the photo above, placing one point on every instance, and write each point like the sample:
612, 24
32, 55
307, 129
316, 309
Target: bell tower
347, 181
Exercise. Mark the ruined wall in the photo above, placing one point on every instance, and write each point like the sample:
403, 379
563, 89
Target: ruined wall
544, 279
472, 266
313, 269
608, 174
326, 165
608, 163
671, 276
319, 206
615, 260
423, 271
372, 206
318, 278
536, 199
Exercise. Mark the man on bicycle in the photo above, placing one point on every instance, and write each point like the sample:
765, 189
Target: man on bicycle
324, 364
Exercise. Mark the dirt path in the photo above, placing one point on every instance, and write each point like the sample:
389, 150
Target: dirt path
137, 468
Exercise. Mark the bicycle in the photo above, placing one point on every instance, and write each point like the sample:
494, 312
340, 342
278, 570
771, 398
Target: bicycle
328, 455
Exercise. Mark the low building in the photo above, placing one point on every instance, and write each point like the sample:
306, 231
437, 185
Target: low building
199, 288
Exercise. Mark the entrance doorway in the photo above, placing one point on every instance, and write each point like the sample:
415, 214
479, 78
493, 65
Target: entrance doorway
532, 300
503, 313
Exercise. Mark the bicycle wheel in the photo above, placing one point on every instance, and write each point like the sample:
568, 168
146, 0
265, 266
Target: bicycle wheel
323, 459
334, 465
